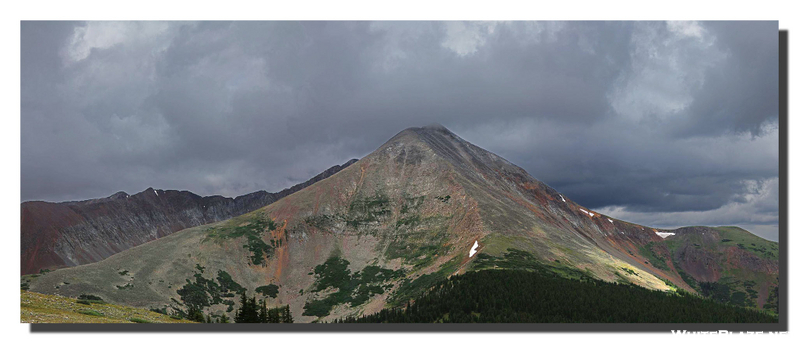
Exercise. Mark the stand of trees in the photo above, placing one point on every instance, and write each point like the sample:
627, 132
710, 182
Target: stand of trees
515, 296
252, 311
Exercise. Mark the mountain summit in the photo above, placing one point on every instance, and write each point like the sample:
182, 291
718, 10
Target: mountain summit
406, 216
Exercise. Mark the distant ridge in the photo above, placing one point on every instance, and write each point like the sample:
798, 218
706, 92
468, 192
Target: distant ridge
56, 235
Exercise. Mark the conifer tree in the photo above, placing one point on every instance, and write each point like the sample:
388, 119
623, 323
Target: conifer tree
195, 314
248, 312
274, 315
263, 315
287, 318
243, 304
252, 312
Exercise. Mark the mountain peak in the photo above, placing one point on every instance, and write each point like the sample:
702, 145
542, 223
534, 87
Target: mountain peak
119, 195
427, 131
437, 143
435, 137
435, 126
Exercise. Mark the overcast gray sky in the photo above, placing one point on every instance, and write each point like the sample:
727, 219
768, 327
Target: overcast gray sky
663, 124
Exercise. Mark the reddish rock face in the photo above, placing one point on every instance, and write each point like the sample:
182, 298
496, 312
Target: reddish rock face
725, 258
742, 259
56, 235
700, 264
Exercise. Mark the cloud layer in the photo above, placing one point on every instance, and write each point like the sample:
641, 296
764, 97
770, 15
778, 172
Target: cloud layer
663, 123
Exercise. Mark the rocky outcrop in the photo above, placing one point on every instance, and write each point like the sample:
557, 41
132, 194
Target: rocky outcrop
699, 263
63, 234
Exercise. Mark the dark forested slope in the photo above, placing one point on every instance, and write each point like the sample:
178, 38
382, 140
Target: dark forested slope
515, 296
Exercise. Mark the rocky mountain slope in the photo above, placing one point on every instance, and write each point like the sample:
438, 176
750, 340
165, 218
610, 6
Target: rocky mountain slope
422, 207
727, 264
56, 235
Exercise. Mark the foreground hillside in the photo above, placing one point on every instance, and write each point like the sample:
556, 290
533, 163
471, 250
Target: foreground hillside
40, 308
425, 206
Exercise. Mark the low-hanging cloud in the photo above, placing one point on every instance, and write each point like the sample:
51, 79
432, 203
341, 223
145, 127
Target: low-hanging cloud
665, 123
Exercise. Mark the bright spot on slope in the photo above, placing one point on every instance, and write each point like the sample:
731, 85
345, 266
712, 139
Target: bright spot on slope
473, 250
664, 234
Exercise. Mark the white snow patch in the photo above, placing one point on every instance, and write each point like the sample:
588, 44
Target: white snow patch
561, 198
473, 250
663, 234
156, 192
611, 221
587, 212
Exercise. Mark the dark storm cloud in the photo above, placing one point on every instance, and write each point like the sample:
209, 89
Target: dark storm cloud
742, 90
668, 123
